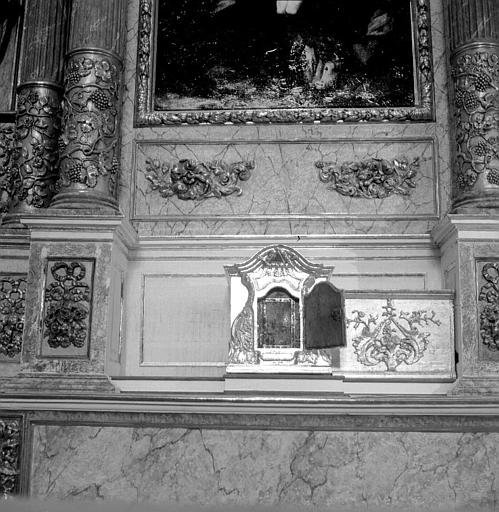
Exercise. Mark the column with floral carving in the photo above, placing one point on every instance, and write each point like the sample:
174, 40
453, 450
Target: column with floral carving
90, 141
34, 162
473, 29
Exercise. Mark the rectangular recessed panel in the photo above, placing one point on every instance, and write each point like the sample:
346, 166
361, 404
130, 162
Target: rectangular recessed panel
185, 319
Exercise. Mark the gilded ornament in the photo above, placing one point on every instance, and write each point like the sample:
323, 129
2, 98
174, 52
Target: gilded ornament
12, 299
374, 178
89, 141
7, 141
476, 97
392, 339
190, 179
67, 305
36, 154
10, 443
488, 300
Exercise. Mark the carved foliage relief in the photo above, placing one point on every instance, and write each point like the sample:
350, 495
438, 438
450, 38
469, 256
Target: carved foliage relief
6, 152
10, 442
35, 159
476, 83
12, 299
190, 179
488, 304
68, 303
374, 178
89, 142
391, 339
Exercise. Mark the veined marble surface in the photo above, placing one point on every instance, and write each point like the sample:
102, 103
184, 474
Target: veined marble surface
424, 471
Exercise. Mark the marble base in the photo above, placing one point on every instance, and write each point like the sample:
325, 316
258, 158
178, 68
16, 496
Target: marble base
337, 470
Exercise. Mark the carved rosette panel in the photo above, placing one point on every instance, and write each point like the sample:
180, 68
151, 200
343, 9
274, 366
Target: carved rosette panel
475, 73
90, 137
6, 151
392, 339
190, 179
488, 304
10, 446
68, 305
12, 303
35, 158
374, 178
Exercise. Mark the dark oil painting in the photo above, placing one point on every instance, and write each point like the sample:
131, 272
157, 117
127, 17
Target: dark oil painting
259, 54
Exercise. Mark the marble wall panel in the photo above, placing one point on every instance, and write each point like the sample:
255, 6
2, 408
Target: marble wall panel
284, 184
362, 470
185, 318
435, 131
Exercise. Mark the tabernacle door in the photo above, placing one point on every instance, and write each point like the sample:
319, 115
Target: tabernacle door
323, 317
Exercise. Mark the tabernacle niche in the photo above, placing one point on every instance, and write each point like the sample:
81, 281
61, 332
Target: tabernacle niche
278, 320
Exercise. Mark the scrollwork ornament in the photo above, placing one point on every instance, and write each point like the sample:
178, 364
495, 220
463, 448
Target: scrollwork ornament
67, 305
392, 339
36, 155
476, 115
488, 300
10, 442
374, 178
7, 141
190, 179
421, 111
12, 300
91, 116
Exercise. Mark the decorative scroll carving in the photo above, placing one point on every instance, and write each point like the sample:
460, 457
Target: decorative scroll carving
476, 83
35, 159
7, 142
423, 110
10, 443
374, 178
488, 299
388, 340
189, 179
12, 298
89, 142
68, 304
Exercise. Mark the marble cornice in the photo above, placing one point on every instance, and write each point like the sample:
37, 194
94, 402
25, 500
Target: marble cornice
466, 227
123, 409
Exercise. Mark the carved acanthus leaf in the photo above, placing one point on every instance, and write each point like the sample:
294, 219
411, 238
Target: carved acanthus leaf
391, 339
190, 179
374, 178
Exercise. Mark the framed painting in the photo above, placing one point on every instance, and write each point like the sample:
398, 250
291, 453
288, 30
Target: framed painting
283, 61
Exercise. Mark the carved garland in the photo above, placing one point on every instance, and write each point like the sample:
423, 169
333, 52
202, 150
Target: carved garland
489, 306
374, 178
35, 158
476, 83
391, 340
12, 299
145, 116
189, 179
10, 441
6, 150
91, 120
67, 305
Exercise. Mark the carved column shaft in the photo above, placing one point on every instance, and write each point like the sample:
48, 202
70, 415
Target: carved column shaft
35, 159
473, 29
90, 141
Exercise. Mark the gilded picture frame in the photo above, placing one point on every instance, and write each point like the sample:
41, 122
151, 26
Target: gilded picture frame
307, 84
